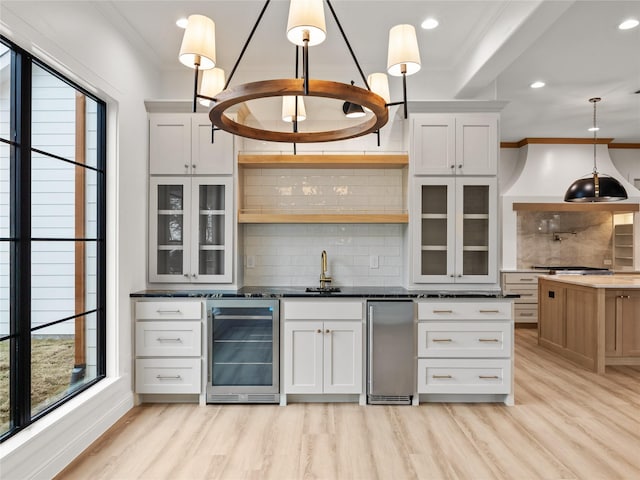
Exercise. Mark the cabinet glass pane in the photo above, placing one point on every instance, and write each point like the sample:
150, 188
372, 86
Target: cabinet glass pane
434, 262
211, 262
170, 262
476, 199
434, 199
211, 197
476, 232
211, 229
170, 197
170, 229
475, 262
434, 232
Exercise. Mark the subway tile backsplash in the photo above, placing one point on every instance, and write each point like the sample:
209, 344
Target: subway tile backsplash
289, 254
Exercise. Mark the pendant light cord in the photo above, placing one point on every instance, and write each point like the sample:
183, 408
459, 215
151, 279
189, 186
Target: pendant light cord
594, 100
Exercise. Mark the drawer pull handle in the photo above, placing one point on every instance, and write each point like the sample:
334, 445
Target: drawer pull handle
443, 311
163, 339
168, 377
526, 294
168, 311
441, 376
489, 377
441, 340
492, 340
527, 279
527, 314
489, 311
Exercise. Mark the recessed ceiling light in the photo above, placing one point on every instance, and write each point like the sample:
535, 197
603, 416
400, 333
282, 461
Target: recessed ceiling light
628, 23
430, 23
537, 84
182, 22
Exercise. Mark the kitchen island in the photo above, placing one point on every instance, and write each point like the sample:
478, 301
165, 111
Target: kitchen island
592, 320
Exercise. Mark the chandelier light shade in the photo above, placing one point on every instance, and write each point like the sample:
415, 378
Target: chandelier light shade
403, 55
211, 85
306, 16
198, 49
289, 109
379, 84
595, 187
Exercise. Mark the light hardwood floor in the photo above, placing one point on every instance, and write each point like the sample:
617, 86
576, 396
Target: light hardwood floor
567, 423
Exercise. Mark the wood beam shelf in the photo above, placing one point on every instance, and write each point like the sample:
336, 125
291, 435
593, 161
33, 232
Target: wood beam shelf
576, 207
400, 160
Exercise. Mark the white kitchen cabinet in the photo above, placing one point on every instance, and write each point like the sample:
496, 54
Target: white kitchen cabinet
465, 350
454, 229
323, 347
184, 143
454, 144
190, 229
168, 347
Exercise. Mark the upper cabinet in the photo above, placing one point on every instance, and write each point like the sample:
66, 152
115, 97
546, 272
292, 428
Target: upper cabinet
454, 144
185, 144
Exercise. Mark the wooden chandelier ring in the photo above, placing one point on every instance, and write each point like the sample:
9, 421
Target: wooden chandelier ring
294, 86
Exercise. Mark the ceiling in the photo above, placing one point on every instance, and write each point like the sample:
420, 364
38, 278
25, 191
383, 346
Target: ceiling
482, 50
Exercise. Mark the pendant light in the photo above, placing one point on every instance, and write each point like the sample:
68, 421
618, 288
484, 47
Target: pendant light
596, 187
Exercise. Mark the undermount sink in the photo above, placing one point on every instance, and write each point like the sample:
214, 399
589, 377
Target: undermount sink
322, 290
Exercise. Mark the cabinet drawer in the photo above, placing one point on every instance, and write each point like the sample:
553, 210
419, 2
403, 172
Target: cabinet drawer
464, 339
526, 292
168, 310
522, 278
168, 339
168, 375
464, 310
526, 313
464, 376
324, 310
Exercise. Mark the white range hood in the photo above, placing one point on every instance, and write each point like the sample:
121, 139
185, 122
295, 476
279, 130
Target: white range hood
547, 171
543, 174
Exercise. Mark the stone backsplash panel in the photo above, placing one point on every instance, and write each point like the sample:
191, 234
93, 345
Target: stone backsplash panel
564, 238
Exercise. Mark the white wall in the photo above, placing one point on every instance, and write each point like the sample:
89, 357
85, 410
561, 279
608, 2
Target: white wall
84, 42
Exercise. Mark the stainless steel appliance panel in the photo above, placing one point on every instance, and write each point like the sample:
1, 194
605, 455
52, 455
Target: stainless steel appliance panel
390, 352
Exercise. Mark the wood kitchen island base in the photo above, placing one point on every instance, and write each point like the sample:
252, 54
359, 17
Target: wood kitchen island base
592, 320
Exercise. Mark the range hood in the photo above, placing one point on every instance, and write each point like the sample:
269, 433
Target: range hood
542, 175
547, 171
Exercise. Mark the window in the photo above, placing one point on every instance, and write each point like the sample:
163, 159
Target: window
52, 239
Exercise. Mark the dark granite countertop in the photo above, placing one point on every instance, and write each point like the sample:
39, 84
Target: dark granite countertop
345, 292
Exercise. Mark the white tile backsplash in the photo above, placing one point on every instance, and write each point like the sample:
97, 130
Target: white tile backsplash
289, 255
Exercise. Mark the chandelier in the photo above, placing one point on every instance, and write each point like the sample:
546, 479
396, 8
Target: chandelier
595, 187
305, 28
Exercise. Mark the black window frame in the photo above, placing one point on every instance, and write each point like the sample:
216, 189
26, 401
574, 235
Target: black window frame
20, 240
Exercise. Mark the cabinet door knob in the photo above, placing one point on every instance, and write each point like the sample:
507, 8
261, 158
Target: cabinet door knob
459, 275
194, 275
327, 331
453, 166
460, 166
186, 165
193, 166
186, 275
319, 330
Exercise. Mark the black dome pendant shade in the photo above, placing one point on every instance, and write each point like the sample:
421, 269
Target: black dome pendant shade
596, 187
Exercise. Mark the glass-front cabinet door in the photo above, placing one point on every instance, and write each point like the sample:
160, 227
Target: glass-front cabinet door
190, 229
212, 253
169, 229
455, 230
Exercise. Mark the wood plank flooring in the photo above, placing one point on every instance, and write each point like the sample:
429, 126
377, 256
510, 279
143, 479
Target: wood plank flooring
568, 423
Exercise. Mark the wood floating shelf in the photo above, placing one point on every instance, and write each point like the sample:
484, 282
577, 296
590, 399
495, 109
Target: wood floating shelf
577, 207
323, 161
323, 218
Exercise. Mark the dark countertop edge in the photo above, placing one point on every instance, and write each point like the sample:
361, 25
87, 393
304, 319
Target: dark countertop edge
256, 292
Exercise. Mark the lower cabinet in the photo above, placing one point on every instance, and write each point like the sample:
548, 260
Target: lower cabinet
168, 347
622, 325
465, 350
322, 347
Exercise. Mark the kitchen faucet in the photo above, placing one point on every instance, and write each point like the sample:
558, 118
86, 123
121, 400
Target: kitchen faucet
324, 279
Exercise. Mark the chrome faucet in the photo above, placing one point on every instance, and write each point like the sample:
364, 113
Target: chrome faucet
324, 279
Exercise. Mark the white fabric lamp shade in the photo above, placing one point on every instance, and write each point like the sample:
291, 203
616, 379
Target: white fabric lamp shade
212, 84
289, 108
403, 50
379, 84
306, 15
199, 43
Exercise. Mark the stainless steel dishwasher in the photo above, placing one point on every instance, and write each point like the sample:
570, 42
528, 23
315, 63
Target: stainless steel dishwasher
391, 356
